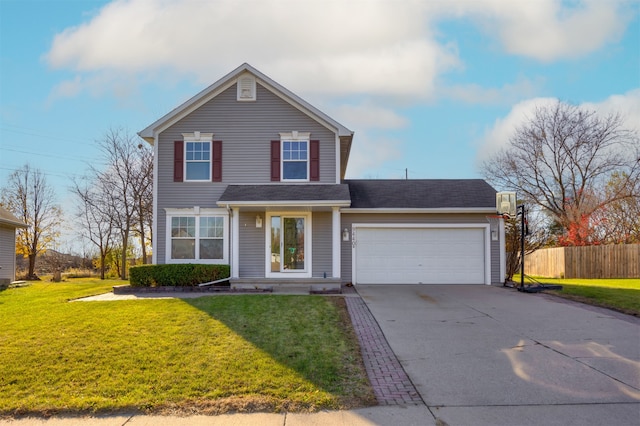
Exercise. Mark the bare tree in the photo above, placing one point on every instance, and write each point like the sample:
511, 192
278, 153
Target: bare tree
619, 221
143, 196
29, 197
96, 215
126, 184
536, 237
562, 158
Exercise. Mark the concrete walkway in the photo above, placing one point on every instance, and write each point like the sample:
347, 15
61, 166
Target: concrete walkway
482, 355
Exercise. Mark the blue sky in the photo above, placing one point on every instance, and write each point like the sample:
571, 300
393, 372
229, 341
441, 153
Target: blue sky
431, 87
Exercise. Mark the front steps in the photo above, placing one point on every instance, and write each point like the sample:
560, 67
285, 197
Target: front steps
288, 285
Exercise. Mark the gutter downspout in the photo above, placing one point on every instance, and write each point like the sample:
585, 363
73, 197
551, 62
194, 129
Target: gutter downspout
230, 212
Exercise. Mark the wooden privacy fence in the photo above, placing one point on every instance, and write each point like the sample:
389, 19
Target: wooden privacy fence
610, 261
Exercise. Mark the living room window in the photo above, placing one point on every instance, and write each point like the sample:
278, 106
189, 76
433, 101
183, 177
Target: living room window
196, 237
211, 237
183, 237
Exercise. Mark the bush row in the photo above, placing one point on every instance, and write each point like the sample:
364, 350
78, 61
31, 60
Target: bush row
187, 274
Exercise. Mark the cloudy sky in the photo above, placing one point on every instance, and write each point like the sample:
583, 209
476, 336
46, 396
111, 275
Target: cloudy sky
429, 87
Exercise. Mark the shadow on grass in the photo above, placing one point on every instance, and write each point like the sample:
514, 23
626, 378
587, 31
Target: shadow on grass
310, 335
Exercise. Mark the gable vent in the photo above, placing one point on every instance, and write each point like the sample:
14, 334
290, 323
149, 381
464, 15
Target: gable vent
247, 88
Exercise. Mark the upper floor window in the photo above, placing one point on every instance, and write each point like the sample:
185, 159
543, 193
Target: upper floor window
197, 158
295, 160
197, 161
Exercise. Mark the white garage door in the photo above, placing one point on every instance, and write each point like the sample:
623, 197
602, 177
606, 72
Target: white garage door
420, 256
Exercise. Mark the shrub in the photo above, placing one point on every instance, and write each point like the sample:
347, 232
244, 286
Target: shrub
78, 273
187, 274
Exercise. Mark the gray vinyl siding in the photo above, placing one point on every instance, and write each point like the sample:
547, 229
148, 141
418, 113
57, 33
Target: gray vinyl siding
348, 219
321, 244
246, 130
7, 254
252, 246
495, 258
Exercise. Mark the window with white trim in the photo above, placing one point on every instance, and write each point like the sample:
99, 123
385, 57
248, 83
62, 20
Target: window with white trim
183, 237
197, 238
211, 237
295, 160
197, 161
295, 156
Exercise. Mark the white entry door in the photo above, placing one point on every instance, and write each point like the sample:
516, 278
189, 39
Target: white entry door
437, 255
288, 245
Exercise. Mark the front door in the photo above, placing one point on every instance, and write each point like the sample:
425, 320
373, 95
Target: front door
288, 242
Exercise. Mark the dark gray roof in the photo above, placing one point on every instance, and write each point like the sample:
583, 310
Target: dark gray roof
277, 192
421, 194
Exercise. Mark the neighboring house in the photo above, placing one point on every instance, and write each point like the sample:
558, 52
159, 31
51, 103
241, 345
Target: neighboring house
251, 175
8, 225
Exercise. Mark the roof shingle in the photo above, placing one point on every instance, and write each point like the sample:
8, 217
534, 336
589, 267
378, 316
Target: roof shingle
421, 193
270, 193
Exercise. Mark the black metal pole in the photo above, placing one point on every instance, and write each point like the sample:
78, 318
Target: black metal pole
522, 235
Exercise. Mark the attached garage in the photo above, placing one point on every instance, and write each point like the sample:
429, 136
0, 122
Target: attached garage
421, 254
433, 231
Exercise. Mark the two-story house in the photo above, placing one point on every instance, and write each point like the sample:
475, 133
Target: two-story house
249, 174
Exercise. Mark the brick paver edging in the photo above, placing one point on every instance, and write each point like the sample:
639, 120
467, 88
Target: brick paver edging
390, 383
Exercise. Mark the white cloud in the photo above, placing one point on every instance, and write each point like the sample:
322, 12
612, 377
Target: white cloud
315, 46
367, 115
548, 30
497, 137
505, 95
121, 87
68, 88
369, 153
545, 30
627, 105
328, 47
331, 51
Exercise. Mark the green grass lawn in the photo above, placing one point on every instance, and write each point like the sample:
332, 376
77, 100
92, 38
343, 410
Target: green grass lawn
622, 295
207, 355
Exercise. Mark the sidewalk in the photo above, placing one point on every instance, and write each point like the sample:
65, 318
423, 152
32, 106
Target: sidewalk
412, 415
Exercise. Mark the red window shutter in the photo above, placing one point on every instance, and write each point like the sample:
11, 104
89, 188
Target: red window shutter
314, 160
216, 158
275, 161
178, 160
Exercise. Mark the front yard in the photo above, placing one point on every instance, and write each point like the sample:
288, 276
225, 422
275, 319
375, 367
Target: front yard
622, 295
207, 355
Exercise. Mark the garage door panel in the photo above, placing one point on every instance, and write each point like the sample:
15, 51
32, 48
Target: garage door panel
420, 256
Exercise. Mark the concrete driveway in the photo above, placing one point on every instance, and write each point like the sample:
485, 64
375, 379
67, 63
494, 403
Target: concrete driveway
483, 355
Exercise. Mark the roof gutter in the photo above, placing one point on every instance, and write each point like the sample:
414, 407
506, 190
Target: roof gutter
13, 223
443, 210
287, 203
